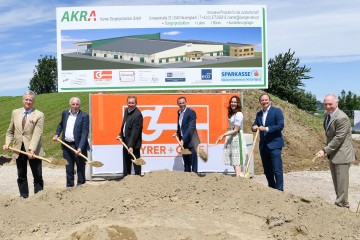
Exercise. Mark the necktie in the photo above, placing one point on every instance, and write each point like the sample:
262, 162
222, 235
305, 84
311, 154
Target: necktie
24, 120
327, 120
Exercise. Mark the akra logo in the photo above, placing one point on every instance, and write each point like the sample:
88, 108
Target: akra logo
79, 16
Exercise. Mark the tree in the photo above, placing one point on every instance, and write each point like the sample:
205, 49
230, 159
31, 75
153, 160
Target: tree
349, 102
285, 80
45, 79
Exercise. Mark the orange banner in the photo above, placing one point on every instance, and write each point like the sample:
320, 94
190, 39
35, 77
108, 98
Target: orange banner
160, 116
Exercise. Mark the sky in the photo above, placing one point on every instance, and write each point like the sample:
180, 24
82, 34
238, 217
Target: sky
324, 35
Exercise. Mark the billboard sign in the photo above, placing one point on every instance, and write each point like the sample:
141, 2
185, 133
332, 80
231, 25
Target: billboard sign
121, 48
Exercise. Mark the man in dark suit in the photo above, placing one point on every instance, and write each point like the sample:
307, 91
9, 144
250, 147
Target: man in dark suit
74, 126
25, 132
131, 135
270, 122
339, 149
189, 139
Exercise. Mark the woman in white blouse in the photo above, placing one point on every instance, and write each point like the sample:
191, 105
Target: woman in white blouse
235, 151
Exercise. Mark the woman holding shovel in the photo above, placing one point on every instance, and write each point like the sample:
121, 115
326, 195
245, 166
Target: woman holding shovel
235, 151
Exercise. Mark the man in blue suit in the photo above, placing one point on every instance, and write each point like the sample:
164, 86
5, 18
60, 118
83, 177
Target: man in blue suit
74, 126
186, 130
270, 122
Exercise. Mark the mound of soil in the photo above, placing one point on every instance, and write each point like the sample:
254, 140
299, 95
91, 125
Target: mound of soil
174, 205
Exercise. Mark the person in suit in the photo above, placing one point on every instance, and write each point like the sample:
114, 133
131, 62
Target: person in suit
270, 122
24, 132
74, 126
189, 139
339, 149
131, 135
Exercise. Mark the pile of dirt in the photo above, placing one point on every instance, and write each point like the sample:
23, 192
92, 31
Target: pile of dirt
174, 205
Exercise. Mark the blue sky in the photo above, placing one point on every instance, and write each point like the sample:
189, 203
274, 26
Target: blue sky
324, 34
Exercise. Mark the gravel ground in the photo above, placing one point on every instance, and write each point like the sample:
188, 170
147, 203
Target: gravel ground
309, 184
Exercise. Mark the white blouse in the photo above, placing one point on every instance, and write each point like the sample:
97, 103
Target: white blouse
237, 119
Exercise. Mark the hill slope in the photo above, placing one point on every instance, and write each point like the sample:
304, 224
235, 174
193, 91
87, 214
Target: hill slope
303, 132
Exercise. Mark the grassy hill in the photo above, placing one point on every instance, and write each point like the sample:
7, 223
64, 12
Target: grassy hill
51, 105
303, 132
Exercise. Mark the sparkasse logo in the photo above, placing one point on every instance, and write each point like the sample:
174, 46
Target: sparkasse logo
79, 16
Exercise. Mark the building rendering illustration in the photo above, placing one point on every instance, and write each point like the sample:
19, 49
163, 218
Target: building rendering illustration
151, 49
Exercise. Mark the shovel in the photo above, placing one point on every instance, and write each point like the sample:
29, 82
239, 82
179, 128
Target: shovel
137, 161
247, 174
183, 150
59, 162
203, 155
92, 163
316, 157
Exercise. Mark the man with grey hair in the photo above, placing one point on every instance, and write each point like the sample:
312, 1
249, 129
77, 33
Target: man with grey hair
74, 126
24, 132
339, 149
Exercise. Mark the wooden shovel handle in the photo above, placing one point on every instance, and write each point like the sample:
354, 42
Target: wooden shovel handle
252, 151
72, 149
127, 149
177, 138
28, 154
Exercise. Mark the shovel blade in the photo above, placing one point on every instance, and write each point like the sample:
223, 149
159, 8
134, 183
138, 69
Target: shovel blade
59, 162
96, 163
185, 151
139, 161
203, 155
245, 175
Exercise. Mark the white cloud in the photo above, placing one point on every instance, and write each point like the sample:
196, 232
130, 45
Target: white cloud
172, 33
15, 75
68, 39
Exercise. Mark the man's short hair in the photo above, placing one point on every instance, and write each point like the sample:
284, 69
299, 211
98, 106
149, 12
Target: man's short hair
74, 98
332, 95
181, 97
263, 94
29, 92
134, 97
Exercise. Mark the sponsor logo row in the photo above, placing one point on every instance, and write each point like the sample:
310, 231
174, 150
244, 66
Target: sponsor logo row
106, 76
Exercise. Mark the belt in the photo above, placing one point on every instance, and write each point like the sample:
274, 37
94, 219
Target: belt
70, 143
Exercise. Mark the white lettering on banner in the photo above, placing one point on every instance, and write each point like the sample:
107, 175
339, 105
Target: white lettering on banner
154, 125
158, 128
163, 150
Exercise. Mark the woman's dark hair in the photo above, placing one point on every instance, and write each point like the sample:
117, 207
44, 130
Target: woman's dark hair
238, 107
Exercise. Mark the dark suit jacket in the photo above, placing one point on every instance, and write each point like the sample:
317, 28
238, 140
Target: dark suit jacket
275, 122
188, 128
81, 129
133, 128
340, 148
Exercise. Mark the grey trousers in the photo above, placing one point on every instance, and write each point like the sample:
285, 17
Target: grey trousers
340, 177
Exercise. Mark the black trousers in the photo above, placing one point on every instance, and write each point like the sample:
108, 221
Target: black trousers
36, 169
127, 163
73, 160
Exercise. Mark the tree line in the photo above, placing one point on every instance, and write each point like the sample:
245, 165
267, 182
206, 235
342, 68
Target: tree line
285, 75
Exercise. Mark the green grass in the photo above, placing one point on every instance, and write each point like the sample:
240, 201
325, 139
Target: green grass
241, 63
51, 105
70, 63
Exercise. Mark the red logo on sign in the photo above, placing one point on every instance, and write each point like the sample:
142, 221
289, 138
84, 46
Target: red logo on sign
102, 75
